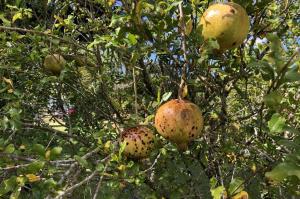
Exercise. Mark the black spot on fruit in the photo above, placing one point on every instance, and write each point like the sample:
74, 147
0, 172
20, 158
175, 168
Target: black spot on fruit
184, 114
136, 141
234, 43
232, 11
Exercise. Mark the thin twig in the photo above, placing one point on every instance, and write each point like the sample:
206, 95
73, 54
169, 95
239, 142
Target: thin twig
99, 183
57, 132
62, 179
15, 29
153, 164
77, 185
182, 29
135, 91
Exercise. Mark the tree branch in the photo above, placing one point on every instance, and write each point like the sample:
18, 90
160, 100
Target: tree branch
182, 29
15, 29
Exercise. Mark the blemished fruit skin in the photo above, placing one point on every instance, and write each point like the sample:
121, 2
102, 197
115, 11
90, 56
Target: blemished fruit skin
228, 23
54, 63
179, 121
139, 141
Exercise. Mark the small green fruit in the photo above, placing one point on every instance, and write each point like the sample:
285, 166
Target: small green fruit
54, 63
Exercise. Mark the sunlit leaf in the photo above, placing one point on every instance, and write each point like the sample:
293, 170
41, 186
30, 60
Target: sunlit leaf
276, 124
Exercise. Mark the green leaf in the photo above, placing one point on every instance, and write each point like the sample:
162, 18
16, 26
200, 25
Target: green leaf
289, 144
276, 124
35, 167
213, 182
100, 167
217, 193
4, 20
122, 147
292, 76
50, 183
2, 144
8, 185
273, 99
132, 39
236, 185
267, 72
81, 161
9, 149
283, 170
16, 193
213, 44
166, 96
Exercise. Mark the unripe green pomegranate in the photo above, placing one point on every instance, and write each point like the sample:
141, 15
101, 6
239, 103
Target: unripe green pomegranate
226, 22
179, 121
139, 141
54, 63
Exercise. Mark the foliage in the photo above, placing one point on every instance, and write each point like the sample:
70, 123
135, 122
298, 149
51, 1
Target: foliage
133, 58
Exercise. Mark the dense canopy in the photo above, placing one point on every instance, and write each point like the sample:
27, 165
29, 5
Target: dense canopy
60, 134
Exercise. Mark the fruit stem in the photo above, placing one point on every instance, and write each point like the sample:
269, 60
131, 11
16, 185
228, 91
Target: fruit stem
182, 146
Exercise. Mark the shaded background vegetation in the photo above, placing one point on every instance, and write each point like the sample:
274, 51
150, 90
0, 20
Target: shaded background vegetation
124, 58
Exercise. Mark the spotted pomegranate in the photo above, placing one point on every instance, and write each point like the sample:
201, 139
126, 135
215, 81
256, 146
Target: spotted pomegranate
139, 141
228, 23
179, 121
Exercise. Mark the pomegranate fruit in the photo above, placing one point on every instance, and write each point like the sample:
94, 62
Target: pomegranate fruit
228, 23
179, 121
139, 141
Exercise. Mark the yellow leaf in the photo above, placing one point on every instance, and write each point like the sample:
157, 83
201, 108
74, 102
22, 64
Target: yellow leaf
111, 2
58, 18
122, 167
48, 31
253, 168
241, 195
286, 3
33, 178
47, 154
185, 91
8, 81
55, 123
107, 146
188, 27
18, 15
22, 147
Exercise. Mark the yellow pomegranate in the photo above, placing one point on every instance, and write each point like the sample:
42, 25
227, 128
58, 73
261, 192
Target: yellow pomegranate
139, 141
226, 22
179, 121
54, 63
